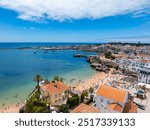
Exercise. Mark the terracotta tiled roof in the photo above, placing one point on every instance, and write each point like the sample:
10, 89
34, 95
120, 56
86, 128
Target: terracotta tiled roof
83, 108
117, 95
115, 107
130, 107
55, 88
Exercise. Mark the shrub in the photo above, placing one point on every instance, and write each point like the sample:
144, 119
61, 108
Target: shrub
73, 101
64, 108
117, 67
83, 95
89, 101
91, 90
108, 55
35, 105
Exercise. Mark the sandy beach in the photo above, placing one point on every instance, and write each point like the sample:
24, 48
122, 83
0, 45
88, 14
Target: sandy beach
12, 109
96, 79
115, 80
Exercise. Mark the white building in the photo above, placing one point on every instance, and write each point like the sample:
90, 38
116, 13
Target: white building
109, 99
140, 65
142, 57
144, 75
136, 65
134, 62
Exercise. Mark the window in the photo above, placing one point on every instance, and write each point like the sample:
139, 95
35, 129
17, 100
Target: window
108, 102
56, 96
55, 101
101, 100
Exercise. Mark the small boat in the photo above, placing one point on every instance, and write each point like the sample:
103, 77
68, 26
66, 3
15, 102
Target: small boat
79, 55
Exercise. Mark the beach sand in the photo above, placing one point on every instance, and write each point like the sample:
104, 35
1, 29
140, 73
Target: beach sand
12, 109
98, 78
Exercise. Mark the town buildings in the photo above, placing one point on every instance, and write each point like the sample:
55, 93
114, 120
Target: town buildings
144, 75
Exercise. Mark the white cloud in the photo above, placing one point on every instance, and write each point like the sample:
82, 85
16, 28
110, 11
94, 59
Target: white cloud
73, 9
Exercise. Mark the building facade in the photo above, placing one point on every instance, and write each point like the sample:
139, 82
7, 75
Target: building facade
55, 93
109, 99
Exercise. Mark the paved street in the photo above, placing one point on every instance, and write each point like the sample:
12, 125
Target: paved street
146, 103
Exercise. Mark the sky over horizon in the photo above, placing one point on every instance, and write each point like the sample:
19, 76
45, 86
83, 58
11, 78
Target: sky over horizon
74, 20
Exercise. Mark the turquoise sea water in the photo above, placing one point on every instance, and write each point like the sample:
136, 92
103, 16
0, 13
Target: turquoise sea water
18, 68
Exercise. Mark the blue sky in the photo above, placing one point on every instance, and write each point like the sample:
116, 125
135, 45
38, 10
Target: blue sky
26, 22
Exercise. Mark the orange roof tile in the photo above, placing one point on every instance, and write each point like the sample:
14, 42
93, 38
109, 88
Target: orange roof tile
55, 88
115, 107
111, 93
83, 108
130, 107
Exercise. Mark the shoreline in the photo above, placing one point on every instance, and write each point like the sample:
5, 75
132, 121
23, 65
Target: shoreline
14, 108
91, 81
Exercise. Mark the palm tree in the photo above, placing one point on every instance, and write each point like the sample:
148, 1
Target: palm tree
37, 79
57, 78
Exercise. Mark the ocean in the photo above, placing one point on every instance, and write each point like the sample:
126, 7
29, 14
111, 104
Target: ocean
18, 68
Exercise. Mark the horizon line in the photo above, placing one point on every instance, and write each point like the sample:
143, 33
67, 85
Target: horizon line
76, 42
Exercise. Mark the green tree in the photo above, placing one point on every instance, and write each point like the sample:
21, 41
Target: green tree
58, 78
117, 67
64, 108
37, 79
35, 106
83, 95
91, 90
71, 102
108, 55
31, 108
89, 101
